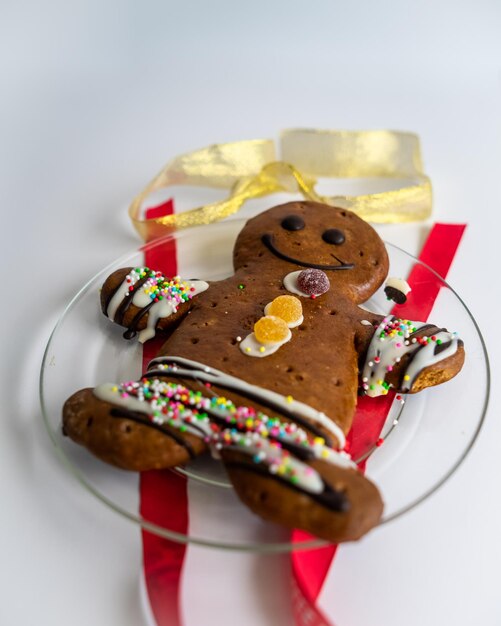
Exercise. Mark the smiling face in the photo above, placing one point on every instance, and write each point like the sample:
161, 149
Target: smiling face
298, 235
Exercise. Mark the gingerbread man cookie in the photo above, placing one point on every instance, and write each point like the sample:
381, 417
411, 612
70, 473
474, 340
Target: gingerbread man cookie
264, 368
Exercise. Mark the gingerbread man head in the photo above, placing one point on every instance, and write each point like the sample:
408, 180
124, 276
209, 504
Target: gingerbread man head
300, 235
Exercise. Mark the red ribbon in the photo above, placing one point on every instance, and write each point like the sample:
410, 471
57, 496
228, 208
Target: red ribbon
310, 568
163, 494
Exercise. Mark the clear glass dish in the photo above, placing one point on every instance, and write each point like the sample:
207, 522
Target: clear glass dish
436, 428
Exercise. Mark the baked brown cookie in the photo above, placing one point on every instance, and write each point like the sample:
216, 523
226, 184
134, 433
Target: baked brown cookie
274, 465
125, 439
285, 337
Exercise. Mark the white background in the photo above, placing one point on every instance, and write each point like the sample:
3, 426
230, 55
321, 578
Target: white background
94, 98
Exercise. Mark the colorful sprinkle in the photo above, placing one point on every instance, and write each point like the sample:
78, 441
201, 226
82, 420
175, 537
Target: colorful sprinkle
222, 424
397, 336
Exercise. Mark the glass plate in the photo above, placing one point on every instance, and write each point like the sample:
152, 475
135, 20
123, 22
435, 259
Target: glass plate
436, 428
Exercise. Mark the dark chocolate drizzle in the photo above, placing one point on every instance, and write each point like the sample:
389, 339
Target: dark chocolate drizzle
300, 452
112, 292
131, 331
440, 347
329, 497
142, 419
395, 294
430, 329
426, 330
269, 242
198, 375
127, 300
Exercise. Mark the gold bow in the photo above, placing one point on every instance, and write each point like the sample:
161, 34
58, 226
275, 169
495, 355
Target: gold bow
249, 169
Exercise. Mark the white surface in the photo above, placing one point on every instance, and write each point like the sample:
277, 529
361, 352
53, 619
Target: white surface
95, 98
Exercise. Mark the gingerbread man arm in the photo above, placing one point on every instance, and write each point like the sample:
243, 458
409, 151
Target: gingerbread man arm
144, 300
404, 355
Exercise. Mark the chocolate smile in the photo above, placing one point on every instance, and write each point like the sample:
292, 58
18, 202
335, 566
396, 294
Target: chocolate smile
269, 242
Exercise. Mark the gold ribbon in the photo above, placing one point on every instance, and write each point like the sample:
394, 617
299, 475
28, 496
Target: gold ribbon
250, 169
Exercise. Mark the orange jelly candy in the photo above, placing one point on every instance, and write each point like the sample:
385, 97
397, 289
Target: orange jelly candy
288, 308
270, 329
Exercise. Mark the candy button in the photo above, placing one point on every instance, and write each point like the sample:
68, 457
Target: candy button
396, 289
288, 308
313, 282
271, 329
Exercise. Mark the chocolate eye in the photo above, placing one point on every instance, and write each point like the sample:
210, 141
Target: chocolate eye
293, 222
334, 236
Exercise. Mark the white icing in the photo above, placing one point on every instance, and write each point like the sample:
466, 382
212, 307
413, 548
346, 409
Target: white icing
217, 377
298, 322
400, 284
384, 353
110, 392
263, 451
425, 357
290, 283
121, 293
159, 310
264, 441
162, 308
339, 458
308, 478
250, 346
365, 323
